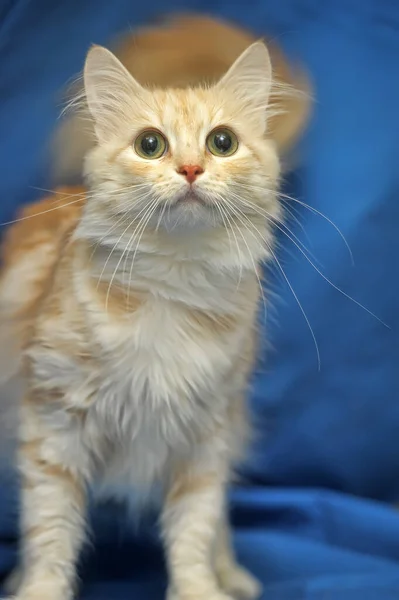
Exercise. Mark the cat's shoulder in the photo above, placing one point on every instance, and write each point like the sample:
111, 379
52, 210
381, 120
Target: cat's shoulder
42, 223
30, 249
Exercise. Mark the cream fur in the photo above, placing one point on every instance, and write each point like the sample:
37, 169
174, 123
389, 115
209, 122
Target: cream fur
140, 334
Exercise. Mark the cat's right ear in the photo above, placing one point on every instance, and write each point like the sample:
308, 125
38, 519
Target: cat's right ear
111, 92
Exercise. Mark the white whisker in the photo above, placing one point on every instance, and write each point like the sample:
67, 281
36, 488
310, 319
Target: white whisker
286, 198
289, 211
224, 216
153, 207
280, 225
283, 273
125, 250
323, 216
161, 215
305, 253
43, 212
255, 266
116, 245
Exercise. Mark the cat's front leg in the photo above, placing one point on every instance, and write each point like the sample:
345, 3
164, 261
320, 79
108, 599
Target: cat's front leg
192, 511
53, 509
233, 578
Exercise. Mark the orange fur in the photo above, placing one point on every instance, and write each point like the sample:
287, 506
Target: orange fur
36, 238
193, 49
134, 304
46, 220
187, 51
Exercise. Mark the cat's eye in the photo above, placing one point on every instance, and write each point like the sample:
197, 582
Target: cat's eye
222, 142
150, 144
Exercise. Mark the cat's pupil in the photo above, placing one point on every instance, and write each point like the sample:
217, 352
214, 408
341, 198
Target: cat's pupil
222, 142
149, 144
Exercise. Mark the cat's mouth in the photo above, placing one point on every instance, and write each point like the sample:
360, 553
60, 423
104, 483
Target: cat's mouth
189, 210
190, 198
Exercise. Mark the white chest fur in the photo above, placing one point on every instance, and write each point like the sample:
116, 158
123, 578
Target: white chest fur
160, 376
164, 386
161, 386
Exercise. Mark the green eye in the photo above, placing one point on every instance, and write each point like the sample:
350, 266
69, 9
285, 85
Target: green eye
150, 144
222, 142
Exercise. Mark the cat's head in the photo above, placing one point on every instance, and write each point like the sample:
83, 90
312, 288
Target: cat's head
182, 158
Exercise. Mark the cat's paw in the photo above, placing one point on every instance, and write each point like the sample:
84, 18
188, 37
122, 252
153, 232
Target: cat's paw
217, 595
44, 592
240, 583
23, 596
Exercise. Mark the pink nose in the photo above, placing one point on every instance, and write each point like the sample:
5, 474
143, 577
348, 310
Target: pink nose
190, 172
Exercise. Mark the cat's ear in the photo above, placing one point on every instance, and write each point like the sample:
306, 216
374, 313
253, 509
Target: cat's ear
249, 79
111, 92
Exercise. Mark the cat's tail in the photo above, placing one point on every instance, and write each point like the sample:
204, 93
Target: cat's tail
183, 51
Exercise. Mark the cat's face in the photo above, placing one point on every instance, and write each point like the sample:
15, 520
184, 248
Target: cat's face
183, 158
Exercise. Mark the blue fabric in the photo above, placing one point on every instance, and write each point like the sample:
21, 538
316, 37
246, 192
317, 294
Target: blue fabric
328, 436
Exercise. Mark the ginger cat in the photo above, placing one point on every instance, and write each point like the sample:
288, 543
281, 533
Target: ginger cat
133, 305
186, 51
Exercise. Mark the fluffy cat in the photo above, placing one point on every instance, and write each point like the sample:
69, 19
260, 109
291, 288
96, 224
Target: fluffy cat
185, 51
134, 308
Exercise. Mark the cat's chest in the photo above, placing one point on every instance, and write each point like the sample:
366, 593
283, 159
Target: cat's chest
162, 389
166, 354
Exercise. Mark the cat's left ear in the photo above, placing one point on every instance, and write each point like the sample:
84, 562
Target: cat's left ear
111, 91
249, 79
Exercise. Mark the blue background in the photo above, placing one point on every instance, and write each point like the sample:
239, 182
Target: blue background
328, 436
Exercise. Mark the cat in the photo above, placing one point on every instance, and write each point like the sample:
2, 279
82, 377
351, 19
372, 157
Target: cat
185, 50
133, 303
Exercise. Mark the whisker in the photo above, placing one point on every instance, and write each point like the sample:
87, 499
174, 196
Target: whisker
300, 306
122, 219
137, 231
285, 197
56, 192
278, 223
224, 216
338, 289
305, 251
232, 208
43, 212
151, 212
116, 245
240, 186
147, 211
79, 197
284, 275
126, 249
108, 259
161, 215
